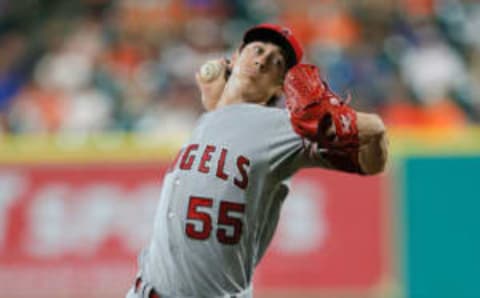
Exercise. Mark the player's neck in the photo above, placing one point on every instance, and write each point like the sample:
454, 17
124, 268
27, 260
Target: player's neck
235, 94
226, 100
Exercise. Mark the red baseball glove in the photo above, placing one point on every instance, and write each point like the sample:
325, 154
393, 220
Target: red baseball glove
319, 115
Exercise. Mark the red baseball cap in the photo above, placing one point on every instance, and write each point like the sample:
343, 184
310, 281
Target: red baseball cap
280, 36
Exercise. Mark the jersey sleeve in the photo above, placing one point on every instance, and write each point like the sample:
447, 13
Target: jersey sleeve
288, 152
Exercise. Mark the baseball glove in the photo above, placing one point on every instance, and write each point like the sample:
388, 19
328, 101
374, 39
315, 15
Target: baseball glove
319, 115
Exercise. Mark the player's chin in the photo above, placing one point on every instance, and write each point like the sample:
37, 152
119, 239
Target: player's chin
247, 82
258, 79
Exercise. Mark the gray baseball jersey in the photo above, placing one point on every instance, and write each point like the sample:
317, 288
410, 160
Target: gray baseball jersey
220, 202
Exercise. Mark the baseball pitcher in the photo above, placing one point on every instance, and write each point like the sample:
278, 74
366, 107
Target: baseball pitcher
221, 199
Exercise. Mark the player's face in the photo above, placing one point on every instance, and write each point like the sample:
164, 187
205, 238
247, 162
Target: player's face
261, 67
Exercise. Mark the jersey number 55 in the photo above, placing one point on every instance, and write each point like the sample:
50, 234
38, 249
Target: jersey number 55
197, 211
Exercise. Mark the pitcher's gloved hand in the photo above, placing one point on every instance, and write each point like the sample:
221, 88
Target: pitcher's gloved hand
319, 115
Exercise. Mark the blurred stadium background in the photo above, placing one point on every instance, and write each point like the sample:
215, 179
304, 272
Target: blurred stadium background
96, 96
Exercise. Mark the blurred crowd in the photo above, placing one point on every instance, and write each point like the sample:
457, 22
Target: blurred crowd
89, 66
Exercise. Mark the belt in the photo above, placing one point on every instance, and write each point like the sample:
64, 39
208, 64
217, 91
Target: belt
152, 293
138, 286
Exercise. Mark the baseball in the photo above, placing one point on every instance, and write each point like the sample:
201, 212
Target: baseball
210, 70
